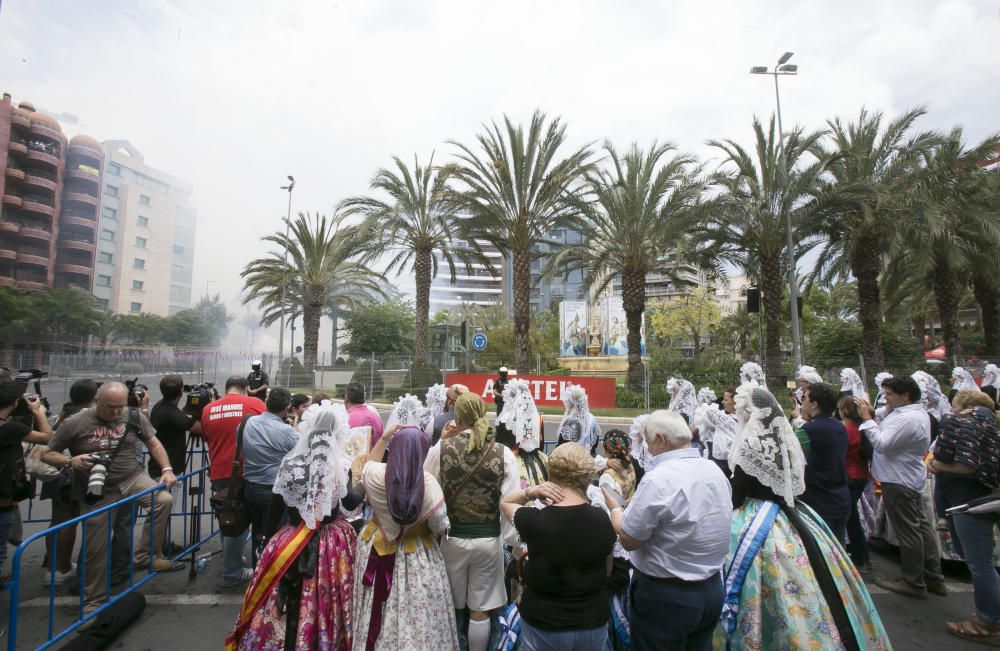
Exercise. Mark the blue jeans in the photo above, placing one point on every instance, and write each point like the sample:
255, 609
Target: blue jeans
976, 534
232, 548
536, 639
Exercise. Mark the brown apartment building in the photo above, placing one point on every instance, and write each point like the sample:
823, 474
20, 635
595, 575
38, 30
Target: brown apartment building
50, 193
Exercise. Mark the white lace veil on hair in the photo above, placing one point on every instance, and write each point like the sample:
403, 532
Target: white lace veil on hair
752, 372
809, 374
437, 397
933, 400
408, 410
683, 399
640, 450
961, 380
520, 415
991, 376
575, 424
851, 381
706, 396
312, 478
879, 391
766, 447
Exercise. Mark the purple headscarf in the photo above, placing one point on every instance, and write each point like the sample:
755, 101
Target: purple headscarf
404, 475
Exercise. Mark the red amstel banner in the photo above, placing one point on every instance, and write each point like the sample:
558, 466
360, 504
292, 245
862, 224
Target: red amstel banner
546, 389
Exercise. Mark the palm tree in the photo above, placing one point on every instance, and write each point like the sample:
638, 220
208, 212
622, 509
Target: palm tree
953, 226
319, 255
871, 164
746, 225
514, 191
418, 221
634, 225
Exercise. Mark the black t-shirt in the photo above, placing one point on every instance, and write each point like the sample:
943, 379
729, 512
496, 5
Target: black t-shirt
257, 379
566, 572
171, 426
11, 434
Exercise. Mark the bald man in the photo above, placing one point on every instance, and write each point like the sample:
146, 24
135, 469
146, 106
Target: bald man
111, 428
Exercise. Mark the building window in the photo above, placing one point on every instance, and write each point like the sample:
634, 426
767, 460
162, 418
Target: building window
178, 249
104, 257
107, 236
137, 285
103, 281
139, 263
143, 200
102, 304
114, 168
110, 190
135, 308
142, 221
109, 213
140, 242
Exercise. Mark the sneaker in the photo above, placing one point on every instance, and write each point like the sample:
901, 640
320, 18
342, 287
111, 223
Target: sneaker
899, 586
939, 589
246, 576
59, 578
166, 565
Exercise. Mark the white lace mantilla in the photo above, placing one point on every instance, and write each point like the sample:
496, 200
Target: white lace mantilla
520, 415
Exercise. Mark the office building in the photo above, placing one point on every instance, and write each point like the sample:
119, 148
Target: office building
50, 190
145, 244
476, 288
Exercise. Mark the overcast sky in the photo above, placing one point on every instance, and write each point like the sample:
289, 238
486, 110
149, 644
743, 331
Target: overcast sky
233, 95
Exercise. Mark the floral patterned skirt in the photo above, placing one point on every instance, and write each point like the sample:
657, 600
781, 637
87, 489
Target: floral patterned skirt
782, 606
325, 607
418, 613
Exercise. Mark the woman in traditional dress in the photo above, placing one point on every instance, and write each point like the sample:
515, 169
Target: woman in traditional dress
789, 583
752, 372
578, 425
990, 381
300, 595
852, 385
683, 398
880, 392
521, 419
402, 599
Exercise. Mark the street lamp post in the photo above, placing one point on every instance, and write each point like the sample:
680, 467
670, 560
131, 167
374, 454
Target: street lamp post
782, 69
281, 327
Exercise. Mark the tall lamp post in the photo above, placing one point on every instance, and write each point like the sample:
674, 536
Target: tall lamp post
281, 330
783, 68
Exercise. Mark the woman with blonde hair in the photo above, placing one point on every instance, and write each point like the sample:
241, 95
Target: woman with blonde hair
569, 545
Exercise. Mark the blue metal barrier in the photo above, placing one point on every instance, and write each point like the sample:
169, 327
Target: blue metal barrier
192, 505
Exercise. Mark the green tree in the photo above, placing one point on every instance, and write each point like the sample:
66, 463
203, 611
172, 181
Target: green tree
514, 190
641, 200
319, 252
872, 163
214, 313
62, 315
138, 328
382, 328
689, 318
779, 178
737, 333
417, 224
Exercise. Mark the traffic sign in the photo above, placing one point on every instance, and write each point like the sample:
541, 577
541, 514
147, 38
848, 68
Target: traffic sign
479, 341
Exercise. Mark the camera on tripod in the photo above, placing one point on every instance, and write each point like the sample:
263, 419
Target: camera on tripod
23, 377
199, 395
136, 391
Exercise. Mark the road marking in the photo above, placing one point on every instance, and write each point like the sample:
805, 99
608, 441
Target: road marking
152, 600
952, 587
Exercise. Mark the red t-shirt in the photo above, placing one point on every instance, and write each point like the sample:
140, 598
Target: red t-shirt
857, 468
219, 422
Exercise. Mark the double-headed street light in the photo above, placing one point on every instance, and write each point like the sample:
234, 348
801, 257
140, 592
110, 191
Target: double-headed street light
281, 331
782, 69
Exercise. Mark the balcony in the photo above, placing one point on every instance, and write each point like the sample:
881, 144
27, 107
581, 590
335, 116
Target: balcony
36, 285
43, 157
91, 151
77, 220
16, 147
65, 268
12, 201
37, 180
47, 131
9, 227
80, 197
7, 253
76, 245
38, 234
20, 119
37, 257
14, 173
6, 281
84, 175
36, 206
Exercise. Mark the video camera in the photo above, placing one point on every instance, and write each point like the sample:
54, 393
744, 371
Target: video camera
199, 395
22, 378
136, 391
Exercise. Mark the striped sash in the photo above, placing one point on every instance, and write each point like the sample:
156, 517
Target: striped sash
750, 543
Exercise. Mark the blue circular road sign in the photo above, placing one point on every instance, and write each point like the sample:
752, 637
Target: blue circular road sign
479, 341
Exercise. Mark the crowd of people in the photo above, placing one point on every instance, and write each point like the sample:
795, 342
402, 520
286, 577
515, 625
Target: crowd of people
718, 522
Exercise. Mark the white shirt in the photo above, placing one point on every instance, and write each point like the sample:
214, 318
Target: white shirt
900, 441
681, 514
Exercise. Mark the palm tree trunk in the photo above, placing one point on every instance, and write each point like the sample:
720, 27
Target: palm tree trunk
311, 313
422, 268
866, 267
771, 280
988, 297
634, 302
335, 332
522, 308
946, 296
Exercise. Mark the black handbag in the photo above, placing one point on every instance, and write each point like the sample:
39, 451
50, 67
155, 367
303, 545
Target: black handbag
229, 503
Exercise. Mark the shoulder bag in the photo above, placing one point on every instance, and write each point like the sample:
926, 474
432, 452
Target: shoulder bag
229, 504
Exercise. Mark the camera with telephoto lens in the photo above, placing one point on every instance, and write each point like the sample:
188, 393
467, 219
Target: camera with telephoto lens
199, 395
22, 413
136, 391
98, 475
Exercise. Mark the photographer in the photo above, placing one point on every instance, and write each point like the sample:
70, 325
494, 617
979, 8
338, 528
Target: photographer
172, 425
257, 382
101, 442
12, 434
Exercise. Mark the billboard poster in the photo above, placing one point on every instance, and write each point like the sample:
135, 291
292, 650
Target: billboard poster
573, 328
545, 389
615, 328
